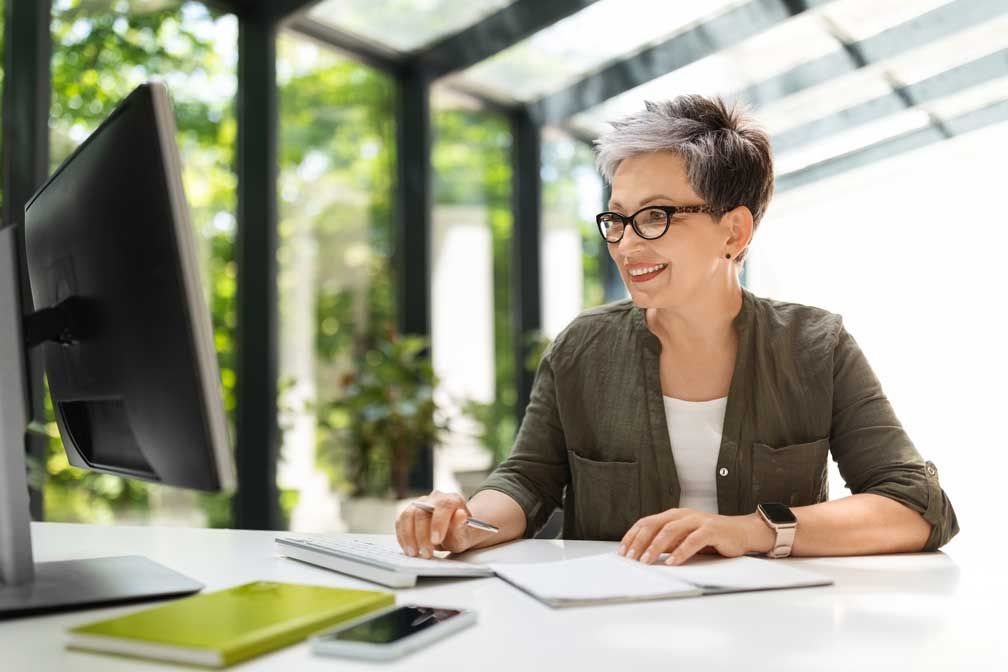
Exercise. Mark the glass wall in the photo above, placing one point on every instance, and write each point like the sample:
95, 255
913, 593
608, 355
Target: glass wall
471, 326
571, 246
101, 51
336, 288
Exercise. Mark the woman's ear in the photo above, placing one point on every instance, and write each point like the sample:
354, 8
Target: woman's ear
740, 228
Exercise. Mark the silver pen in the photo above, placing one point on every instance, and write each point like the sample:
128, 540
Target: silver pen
471, 522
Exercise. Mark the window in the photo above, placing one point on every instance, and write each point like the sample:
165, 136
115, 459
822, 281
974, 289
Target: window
101, 51
471, 328
337, 302
403, 25
572, 250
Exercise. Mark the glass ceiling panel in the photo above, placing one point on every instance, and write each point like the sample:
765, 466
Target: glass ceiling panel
859, 19
851, 140
973, 98
726, 72
949, 52
404, 25
581, 43
826, 98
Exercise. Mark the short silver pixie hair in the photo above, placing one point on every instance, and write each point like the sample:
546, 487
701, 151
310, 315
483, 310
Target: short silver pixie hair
728, 157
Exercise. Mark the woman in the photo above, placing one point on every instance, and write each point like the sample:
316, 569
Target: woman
697, 416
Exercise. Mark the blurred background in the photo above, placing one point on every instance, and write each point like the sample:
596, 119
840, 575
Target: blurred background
433, 220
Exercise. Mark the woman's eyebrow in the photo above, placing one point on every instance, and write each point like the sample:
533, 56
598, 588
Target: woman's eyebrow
656, 197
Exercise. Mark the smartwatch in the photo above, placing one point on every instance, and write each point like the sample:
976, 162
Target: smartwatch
779, 517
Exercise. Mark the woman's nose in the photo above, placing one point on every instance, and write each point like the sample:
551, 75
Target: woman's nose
630, 242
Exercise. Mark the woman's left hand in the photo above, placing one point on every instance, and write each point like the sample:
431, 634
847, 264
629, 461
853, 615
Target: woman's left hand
685, 532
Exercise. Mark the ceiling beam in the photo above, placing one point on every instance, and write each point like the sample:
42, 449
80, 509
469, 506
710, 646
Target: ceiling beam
366, 51
273, 10
494, 34
705, 39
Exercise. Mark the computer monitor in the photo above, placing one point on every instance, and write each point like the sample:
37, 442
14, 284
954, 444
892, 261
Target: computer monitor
128, 347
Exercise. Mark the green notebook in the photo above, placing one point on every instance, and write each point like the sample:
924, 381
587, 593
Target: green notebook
227, 626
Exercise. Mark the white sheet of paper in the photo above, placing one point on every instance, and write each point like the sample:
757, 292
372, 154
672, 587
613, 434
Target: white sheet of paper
713, 573
596, 578
612, 578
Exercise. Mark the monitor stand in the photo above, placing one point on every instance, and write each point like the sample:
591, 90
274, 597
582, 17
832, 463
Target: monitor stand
27, 587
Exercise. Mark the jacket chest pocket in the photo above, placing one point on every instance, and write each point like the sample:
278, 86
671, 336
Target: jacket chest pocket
606, 497
794, 475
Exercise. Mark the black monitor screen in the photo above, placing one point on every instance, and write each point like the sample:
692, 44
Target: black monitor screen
138, 393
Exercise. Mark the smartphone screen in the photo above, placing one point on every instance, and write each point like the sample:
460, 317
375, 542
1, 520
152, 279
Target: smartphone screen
394, 625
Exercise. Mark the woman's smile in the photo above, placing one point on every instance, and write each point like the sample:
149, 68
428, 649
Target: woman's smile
645, 272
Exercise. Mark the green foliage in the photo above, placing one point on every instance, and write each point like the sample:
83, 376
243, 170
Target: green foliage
472, 166
383, 415
336, 118
101, 51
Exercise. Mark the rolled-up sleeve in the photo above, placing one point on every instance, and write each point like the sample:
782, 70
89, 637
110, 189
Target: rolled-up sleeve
874, 453
535, 473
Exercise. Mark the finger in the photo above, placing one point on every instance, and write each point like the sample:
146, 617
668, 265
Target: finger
398, 531
457, 537
642, 540
443, 512
404, 529
693, 542
421, 528
628, 538
668, 538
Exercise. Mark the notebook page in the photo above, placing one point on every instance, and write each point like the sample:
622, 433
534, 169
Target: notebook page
712, 573
604, 577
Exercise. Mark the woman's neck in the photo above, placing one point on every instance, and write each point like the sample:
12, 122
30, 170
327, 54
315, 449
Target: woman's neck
702, 325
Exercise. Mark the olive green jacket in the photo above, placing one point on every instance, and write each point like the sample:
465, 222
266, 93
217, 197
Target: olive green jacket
594, 440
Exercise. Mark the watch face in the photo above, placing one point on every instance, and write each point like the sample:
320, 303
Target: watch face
778, 513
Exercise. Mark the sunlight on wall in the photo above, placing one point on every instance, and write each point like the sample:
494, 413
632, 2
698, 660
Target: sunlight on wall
910, 252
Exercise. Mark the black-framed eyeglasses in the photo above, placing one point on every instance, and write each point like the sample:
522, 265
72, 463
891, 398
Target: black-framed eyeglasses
649, 223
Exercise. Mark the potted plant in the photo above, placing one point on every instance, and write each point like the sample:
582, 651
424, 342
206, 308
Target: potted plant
371, 433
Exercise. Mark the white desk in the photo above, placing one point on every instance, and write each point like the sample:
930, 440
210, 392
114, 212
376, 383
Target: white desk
912, 612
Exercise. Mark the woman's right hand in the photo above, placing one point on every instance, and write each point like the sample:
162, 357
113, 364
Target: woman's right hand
421, 533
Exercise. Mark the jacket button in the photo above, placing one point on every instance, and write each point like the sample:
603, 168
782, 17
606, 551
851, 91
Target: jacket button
723, 471
931, 468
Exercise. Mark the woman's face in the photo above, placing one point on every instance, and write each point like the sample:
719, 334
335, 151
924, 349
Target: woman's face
691, 254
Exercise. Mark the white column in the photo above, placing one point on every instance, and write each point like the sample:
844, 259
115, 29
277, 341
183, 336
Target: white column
562, 270
461, 331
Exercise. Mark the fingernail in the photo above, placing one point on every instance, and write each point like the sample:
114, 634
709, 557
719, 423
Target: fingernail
435, 537
425, 553
630, 554
670, 560
410, 551
622, 549
645, 558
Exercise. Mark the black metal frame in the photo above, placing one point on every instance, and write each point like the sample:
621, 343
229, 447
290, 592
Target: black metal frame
25, 161
256, 502
26, 165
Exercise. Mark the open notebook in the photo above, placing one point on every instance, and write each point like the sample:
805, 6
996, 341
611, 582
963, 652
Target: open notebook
610, 578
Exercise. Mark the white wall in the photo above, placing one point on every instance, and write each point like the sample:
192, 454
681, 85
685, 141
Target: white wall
911, 251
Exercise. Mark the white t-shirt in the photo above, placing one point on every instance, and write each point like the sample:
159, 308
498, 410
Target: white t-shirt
695, 433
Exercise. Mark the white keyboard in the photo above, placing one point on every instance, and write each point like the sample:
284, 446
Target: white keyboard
373, 561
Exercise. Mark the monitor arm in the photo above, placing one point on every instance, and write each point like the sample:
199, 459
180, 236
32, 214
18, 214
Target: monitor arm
65, 323
16, 566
